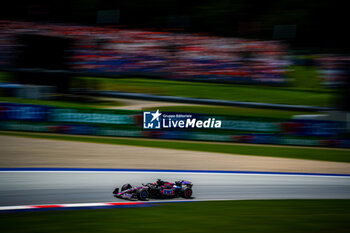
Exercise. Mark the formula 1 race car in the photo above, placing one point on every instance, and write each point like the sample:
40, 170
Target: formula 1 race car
159, 189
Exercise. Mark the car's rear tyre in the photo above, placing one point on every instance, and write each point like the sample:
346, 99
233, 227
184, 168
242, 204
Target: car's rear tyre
187, 193
142, 194
125, 187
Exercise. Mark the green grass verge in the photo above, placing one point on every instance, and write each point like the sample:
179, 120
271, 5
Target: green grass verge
6, 77
264, 216
250, 93
229, 148
231, 111
298, 95
307, 77
67, 104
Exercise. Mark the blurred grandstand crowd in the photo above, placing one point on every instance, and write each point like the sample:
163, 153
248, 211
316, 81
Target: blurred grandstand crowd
175, 55
332, 69
110, 50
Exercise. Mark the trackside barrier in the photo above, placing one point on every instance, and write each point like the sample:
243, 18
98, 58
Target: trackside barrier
128, 123
209, 101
